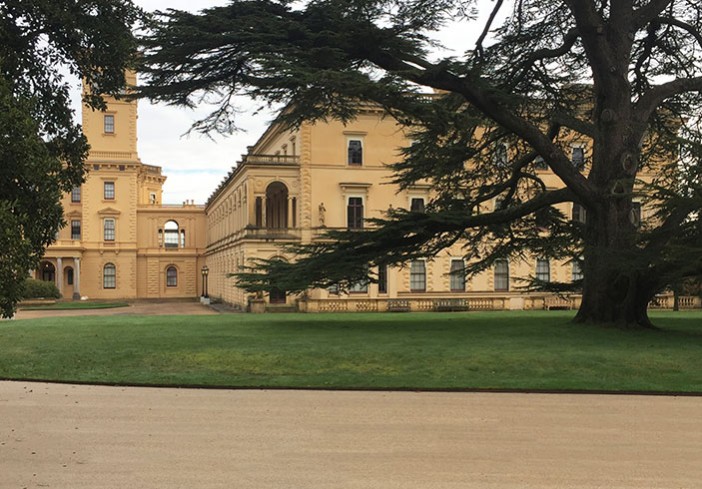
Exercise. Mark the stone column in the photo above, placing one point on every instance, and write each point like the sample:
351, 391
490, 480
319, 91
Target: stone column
59, 274
290, 212
264, 212
76, 279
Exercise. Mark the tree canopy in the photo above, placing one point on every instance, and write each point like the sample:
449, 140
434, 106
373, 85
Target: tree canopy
622, 77
42, 148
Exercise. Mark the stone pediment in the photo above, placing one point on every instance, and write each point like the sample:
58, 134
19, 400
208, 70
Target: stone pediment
73, 214
109, 211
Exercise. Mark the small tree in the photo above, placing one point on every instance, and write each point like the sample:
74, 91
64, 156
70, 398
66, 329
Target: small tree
622, 77
42, 149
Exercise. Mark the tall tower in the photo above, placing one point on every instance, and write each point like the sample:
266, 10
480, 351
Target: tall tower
113, 134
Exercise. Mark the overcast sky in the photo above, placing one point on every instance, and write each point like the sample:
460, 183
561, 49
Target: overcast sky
196, 164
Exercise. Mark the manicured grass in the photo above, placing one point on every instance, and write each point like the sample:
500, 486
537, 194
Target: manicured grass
537, 350
62, 306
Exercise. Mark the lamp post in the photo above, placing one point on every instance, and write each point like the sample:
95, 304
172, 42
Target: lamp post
205, 271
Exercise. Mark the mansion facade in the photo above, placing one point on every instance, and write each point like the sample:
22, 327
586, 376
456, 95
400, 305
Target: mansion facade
292, 186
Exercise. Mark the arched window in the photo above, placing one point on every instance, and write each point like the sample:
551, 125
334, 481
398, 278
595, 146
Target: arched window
68, 271
170, 234
171, 276
277, 206
109, 276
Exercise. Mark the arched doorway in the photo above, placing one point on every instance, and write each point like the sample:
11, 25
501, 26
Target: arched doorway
47, 271
277, 206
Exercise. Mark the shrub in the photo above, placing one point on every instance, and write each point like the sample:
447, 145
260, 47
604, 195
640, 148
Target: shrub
38, 289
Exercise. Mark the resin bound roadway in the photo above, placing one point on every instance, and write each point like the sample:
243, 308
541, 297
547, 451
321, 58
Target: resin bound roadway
73, 437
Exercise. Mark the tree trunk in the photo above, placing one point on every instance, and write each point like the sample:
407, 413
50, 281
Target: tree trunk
616, 289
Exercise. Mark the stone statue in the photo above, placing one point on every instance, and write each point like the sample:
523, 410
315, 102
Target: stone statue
322, 210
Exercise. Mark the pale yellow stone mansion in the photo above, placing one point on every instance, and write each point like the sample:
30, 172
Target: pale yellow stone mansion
120, 241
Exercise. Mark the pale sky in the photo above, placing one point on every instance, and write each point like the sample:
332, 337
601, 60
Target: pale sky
196, 164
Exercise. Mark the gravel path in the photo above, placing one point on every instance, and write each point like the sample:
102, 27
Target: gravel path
74, 437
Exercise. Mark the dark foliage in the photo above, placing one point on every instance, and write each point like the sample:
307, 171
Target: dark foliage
622, 76
42, 149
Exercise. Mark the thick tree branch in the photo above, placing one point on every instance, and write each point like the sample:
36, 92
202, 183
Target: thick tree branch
481, 99
689, 28
486, 29
645, 14
650, 101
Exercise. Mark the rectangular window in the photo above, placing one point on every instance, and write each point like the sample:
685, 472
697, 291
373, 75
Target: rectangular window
359, 287
109, 229
499, 155
501, 275
354, 213
543, 270
417, 204
355, 152
75, 229
636, 213
383, 279
578, 157
458, 277
109, 276
578, 214
109, 192
75, 194
109, 124
258, 211
576, 269
418, 276
152, 198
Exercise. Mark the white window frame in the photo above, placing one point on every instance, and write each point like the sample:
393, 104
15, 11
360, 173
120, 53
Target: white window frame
360, 139
105, 229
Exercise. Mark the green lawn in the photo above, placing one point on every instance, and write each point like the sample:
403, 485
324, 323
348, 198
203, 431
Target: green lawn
536, 350
63, 306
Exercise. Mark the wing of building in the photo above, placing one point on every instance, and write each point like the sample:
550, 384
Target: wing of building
122, 242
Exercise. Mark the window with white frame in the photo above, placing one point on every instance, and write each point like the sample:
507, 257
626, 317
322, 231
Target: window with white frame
577, 157
170, 234
635, 215
543, 270
75, 194
576, 268
458, 276
359, 287
500, 155
418, 276
109, 124
383, 279
501, 275
354, 151
75, 228
578, 214
109, 229
109, 276
171, 276
354, 213
109, 191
